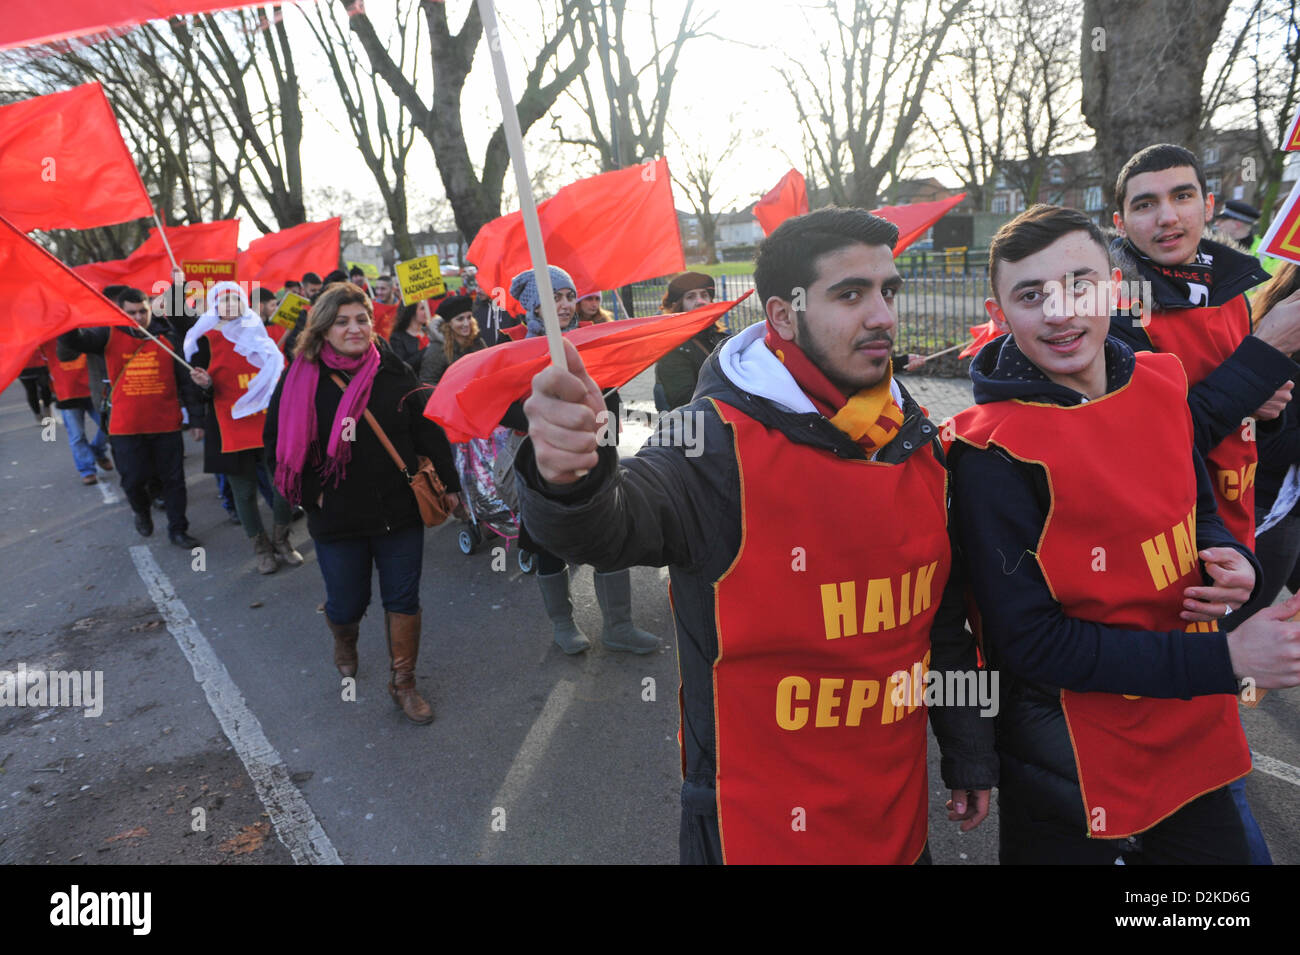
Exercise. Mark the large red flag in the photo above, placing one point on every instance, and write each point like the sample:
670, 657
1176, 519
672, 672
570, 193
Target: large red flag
149, 264
789, 197
28, 22
64, 165
914, 220
276, 258
40, 299
606, 231
478, 389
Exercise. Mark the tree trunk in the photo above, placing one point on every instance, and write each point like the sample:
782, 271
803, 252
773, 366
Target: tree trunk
1142, 66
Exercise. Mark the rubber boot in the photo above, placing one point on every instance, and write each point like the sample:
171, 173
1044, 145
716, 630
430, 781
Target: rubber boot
555, 595
345, 646
265, 554
404, 646
284, 551
614, 593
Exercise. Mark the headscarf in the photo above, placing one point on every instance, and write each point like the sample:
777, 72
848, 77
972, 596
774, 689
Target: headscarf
249, 337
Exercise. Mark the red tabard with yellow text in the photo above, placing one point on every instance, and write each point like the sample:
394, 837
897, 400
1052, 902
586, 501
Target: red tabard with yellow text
277, 333
144, 386
231, 372
1203, 338
820, 743
71, 379
1119, 548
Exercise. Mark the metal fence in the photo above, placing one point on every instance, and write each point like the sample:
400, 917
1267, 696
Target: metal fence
942, 297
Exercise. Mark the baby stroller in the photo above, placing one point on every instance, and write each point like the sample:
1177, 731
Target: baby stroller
488, 514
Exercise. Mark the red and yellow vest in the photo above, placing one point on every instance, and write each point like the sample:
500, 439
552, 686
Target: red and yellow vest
70, 378
231, 373
1119, 548
1203, 338
823, 623
145, 399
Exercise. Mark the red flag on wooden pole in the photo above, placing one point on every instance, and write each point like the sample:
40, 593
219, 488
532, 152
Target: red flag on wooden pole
605, 231
276, 258
150, 264
786, 199
64, 164
40, 298
478, 388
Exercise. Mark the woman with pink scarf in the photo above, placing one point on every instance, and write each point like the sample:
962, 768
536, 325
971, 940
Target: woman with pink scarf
361, 512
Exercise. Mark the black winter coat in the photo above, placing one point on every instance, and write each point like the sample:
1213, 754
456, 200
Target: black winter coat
374, 497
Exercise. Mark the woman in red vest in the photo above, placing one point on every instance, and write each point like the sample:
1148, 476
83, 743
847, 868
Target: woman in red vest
238, 365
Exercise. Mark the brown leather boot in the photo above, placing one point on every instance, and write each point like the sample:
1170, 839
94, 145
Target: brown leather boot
404, 646
345, 646
265, 554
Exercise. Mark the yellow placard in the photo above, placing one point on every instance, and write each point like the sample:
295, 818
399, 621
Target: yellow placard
290, 308
420, 279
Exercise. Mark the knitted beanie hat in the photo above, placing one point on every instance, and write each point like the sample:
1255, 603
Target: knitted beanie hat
523, 287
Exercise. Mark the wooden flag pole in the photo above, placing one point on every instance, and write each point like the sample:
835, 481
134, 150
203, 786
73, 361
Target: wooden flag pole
527, 204
166, 245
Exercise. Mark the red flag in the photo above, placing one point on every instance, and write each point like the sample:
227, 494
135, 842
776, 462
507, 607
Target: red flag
40, 299
478, 388
788, 198
983, 334
149, 264
913, 220
1282, 240
64, 165
606, 231
27, 22
276, 258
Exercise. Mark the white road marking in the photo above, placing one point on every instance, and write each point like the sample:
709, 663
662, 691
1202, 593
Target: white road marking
106, 492
532, 750
294, 821
1275, 767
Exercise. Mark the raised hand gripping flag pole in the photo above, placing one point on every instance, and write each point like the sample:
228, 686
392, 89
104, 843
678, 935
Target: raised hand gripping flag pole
527, 205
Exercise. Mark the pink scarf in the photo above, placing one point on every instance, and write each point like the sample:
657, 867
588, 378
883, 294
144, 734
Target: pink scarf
298, 439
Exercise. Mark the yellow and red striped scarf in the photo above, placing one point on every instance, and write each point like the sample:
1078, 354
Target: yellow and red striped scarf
871, 417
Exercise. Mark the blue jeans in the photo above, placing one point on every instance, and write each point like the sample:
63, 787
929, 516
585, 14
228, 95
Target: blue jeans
84, 452
346, 566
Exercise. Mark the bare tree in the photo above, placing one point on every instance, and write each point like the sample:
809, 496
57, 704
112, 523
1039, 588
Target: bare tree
859, 110
379, 121
1142, 67
699, 182
627, 124
475, 198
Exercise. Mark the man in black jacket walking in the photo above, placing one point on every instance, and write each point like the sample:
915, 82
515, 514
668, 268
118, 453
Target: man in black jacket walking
804, 526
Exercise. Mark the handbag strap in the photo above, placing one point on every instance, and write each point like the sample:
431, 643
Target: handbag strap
379, 433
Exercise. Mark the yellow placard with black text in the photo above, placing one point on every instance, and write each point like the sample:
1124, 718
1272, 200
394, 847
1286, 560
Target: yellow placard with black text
290, 308
420, 279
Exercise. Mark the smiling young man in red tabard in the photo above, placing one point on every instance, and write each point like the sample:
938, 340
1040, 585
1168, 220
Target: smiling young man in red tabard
807, 543
1100, 567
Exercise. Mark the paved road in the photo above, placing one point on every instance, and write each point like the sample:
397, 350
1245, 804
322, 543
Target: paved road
219, 696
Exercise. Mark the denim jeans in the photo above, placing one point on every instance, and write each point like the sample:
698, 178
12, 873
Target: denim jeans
84, 452
346, 566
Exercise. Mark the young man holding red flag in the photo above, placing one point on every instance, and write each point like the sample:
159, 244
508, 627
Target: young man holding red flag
147, 388
1101, 568
71, 380
809, 555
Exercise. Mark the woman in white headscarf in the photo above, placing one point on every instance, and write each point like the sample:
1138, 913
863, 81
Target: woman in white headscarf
237, 364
